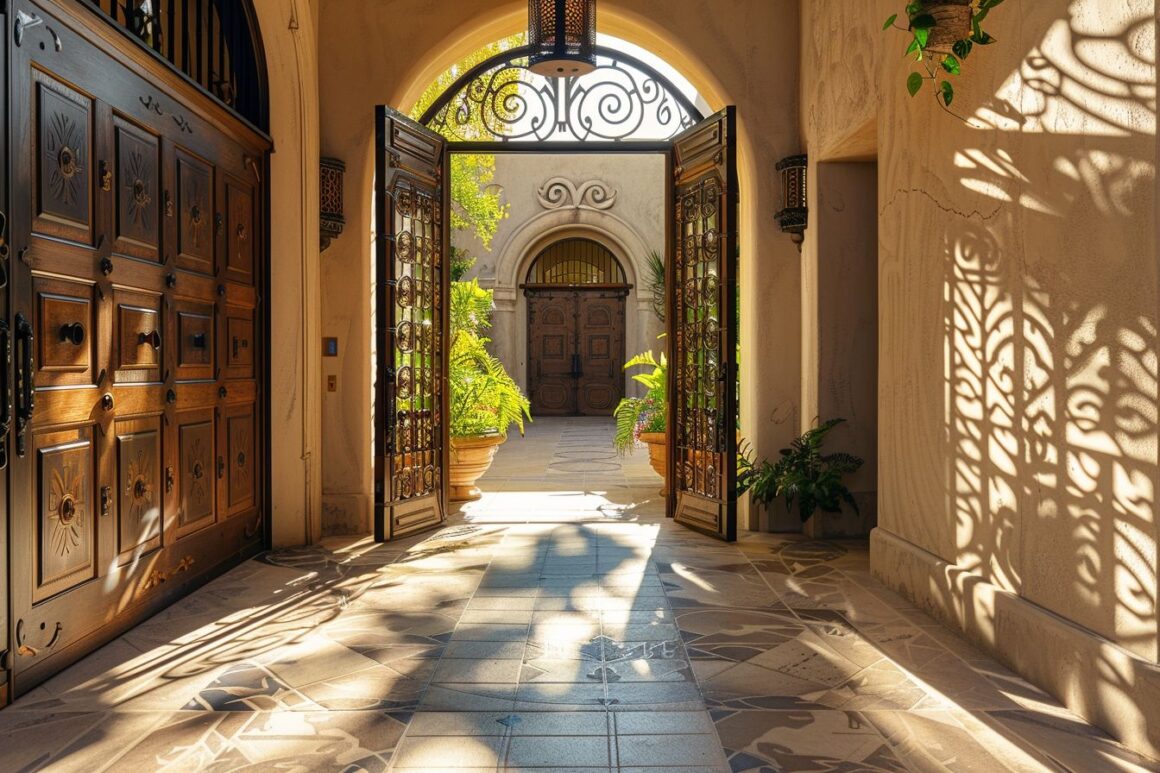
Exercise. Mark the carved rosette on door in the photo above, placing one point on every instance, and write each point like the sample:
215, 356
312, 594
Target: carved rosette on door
136, 362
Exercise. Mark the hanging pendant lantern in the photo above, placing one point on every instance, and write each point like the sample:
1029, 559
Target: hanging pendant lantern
562, 35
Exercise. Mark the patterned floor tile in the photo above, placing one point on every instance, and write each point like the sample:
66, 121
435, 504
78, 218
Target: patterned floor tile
578, 629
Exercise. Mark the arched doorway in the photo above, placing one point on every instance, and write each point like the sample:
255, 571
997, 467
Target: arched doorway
576, 291
511, 109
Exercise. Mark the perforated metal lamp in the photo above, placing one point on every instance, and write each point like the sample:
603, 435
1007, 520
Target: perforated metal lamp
562, 35
794, 216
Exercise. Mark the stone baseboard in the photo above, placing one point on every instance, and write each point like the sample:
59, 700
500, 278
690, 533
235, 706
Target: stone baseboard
1097, 679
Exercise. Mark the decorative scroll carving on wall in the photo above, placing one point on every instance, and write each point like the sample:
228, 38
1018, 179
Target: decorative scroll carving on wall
562, 193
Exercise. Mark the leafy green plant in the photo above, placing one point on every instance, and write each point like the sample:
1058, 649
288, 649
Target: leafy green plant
485, 400
802, 474
476, 203
940, 66
655, 283
635, 415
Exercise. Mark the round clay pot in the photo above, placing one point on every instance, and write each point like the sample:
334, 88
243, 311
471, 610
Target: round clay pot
658, 456
470, 458
952, 24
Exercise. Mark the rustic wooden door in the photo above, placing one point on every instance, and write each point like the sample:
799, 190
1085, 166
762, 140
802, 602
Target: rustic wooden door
575, 350
137, 227
552, 358
702, 320
600, 315
412, 207
5, 374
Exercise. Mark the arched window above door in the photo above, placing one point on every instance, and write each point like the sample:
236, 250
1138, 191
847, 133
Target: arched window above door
214, 43
576, 261
501, 101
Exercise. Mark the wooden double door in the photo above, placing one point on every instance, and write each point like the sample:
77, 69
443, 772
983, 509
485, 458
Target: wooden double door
134, 369
575, 350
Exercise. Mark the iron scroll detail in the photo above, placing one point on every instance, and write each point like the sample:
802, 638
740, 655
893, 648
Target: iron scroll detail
623, 99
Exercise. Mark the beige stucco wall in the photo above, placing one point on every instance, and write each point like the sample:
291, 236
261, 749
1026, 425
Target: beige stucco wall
1018, 339
840, 317
289, 33
629, 221
388, 52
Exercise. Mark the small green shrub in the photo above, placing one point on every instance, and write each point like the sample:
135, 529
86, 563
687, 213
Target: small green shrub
802, 474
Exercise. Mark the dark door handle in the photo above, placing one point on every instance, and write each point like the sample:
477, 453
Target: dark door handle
5, 392
577, 367
73, 332
25, 393
153, 338
198, 341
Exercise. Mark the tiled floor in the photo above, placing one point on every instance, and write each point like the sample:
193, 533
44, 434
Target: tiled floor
574, 631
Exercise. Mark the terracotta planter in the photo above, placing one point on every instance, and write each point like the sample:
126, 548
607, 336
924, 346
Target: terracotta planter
952, 24
658, 456
470, 458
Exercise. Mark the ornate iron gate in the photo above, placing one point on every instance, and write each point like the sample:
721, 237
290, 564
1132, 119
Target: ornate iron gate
411, 211
702, 315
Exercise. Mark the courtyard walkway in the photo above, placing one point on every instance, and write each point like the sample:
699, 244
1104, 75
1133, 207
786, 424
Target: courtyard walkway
559, 624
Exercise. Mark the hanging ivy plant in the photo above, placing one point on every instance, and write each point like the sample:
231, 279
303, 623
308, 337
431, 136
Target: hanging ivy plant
942, 35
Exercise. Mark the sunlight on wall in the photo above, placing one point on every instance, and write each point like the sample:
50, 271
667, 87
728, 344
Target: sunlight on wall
1052, 425
1082, 80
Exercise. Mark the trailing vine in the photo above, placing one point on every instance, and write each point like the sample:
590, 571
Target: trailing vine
939, 64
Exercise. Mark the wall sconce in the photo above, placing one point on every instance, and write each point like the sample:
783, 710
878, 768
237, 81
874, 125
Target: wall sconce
795, 215
331, 219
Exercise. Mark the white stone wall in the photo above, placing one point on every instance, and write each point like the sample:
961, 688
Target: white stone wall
614, 199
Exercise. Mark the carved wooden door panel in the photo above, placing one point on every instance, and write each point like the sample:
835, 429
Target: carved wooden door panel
600, 335
551, 348
137, 453
575, 351
702, 315
5, 378
412, 207
68, 216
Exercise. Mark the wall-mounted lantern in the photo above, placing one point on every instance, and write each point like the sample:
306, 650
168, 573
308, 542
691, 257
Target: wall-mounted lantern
562, 35
331, 220
794, 216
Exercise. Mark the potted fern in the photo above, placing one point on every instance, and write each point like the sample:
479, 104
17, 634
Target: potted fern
643, 418
485, 401
803, 475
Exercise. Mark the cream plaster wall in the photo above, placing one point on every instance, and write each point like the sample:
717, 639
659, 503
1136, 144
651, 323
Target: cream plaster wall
630, 228
289, 34
840, 311
1018, 333
744, 52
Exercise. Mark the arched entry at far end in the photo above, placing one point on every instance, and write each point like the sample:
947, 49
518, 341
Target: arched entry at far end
577, 295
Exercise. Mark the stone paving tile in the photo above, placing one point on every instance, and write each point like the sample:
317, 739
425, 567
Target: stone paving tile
543, 632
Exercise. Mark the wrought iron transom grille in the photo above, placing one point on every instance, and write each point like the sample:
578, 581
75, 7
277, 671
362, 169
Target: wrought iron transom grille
623, 99
212, 41
576, 262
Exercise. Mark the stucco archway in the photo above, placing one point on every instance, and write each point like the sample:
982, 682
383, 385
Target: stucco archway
396, 60
617, 235
290, 40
